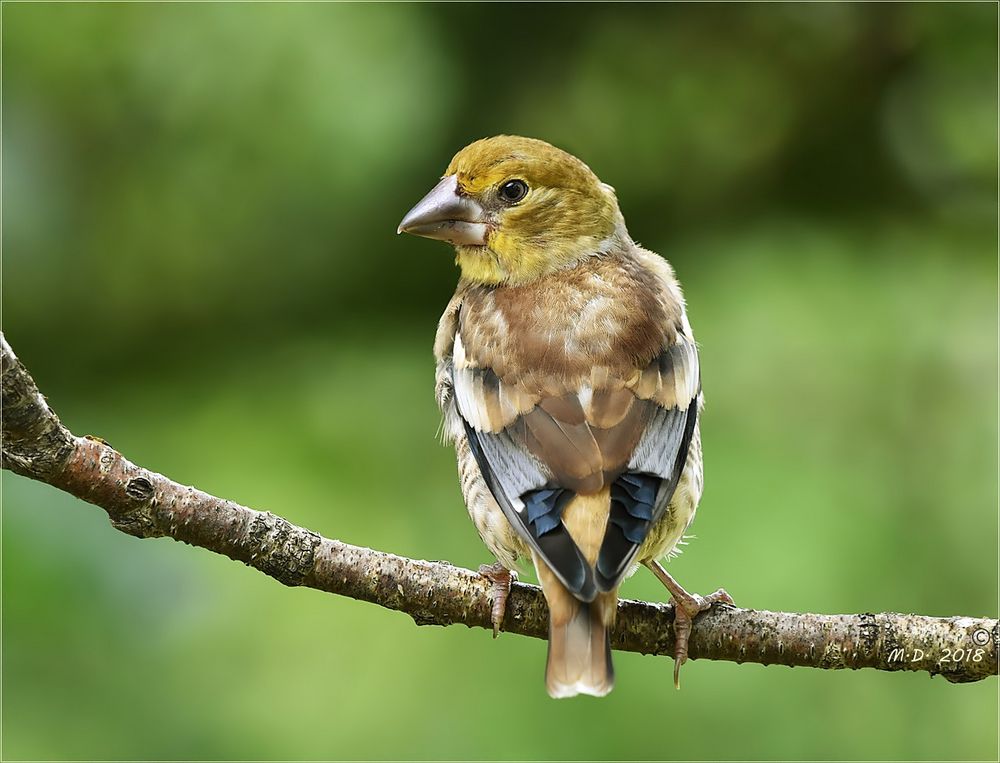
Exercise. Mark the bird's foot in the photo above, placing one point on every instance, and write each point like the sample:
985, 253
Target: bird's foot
686, 607
501, 578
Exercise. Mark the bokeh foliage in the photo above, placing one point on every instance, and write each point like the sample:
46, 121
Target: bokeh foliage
200, 265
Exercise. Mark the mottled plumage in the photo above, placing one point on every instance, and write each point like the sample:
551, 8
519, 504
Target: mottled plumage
568, 377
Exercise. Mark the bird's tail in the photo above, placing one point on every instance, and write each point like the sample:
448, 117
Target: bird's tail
579, 650
579, 659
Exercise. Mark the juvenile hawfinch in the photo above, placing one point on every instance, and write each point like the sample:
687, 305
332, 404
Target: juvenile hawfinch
568, 377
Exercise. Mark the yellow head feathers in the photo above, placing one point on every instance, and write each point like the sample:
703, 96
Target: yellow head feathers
516, 209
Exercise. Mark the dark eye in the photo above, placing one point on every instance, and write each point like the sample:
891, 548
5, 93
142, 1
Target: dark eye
513, 191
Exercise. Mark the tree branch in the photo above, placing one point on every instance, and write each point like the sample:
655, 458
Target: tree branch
148, 505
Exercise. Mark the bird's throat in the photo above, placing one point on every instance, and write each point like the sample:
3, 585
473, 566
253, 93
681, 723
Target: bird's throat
479, 264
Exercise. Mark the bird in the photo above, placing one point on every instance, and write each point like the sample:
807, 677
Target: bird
568, 378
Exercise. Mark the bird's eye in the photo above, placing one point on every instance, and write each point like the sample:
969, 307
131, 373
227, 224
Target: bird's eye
513, 191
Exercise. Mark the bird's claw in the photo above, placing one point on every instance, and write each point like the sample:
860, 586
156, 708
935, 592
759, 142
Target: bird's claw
686, 607
501, 579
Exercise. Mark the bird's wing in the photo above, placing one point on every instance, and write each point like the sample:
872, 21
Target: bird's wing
671, 386
506, 428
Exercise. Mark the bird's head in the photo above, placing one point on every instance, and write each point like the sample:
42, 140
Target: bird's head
517, 209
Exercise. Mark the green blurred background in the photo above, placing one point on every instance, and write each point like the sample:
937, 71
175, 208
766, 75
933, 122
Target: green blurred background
200, 265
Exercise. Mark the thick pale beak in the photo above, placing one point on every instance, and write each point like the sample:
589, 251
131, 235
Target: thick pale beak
447, 216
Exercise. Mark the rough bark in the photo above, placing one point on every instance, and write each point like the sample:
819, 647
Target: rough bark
148, 505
